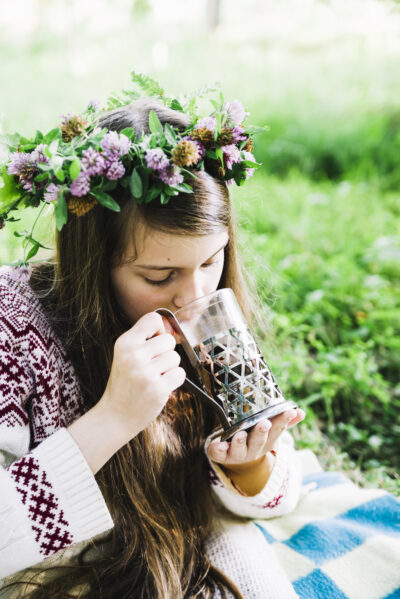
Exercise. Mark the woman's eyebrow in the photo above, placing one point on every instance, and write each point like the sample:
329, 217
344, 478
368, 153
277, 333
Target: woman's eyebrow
153, 267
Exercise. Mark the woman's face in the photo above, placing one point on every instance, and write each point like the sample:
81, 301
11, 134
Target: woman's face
168, 271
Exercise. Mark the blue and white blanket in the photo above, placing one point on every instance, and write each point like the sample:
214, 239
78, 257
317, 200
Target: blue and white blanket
341, 541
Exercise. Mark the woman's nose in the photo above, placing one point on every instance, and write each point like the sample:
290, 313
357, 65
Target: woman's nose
189, 291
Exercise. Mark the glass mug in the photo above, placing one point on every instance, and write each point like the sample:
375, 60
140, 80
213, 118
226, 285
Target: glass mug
232, 374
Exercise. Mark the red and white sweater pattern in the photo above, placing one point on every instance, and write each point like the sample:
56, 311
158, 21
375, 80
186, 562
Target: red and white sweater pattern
49, 498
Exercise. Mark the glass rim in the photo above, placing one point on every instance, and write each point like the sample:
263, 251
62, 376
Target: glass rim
203, 297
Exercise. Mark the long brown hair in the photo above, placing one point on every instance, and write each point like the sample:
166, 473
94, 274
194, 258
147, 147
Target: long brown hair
156, 486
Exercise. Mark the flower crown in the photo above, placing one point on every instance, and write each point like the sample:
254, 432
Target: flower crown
76, 165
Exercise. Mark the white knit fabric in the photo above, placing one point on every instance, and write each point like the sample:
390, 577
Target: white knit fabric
240, 550
70, 481
279, 496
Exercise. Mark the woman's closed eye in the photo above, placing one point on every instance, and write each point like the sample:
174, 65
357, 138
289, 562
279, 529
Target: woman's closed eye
172, 274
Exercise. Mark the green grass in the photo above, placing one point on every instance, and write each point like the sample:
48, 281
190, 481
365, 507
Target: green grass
320, 221
325, 260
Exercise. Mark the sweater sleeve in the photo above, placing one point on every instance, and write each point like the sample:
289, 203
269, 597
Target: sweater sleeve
49, 498
280, 494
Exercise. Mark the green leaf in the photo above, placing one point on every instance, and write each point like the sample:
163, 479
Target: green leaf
176, 105
74, 169
154, 123
211, 154
27, 147
60, 175
217, 125
170, 191
215, 104
129, 132
52, 135
13, 142
53, 146
153, 192
38, 137
190, 173
220, 154
33, 251
148, 86
106, 200
183, 188
250, 164
136, 184
109, 185
8, 189
238, 174
170, 135
154, 142
253, 130
164, 198
61, 211
144, 175
41, 177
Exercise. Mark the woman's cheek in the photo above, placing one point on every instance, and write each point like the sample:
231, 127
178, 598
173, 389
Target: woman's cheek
217, 276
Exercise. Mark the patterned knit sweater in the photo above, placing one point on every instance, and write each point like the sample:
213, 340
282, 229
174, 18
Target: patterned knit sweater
49, 498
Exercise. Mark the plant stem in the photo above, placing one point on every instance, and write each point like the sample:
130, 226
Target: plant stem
30, 237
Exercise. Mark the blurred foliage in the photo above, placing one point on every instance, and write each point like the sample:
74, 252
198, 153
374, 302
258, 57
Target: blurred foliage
320, 223
335, 149
325, 259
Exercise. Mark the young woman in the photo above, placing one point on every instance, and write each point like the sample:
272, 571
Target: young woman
115, 482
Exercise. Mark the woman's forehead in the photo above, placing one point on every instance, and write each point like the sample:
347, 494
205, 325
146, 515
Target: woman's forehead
156, 248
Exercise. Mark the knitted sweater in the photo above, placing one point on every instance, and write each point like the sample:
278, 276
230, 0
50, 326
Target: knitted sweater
49, 498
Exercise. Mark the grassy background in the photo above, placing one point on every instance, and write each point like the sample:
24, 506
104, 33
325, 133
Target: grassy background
320, 229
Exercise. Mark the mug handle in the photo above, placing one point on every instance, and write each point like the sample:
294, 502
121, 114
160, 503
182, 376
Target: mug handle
195, 362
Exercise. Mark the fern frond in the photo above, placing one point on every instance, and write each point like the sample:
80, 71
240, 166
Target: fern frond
124, 98
148, 86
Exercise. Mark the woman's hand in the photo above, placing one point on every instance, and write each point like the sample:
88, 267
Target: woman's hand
244, 458
245, 449
144, 373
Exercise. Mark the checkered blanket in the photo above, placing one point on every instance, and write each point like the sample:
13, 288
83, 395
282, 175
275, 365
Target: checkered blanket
341, 541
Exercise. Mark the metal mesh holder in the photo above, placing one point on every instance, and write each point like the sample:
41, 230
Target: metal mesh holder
234, 378
233, 369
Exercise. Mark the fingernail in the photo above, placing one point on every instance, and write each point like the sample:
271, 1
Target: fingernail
241, 439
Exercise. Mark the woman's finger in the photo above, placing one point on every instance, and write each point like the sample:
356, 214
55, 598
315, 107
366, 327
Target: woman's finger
279, 425
167, 361
257, 439
300, 415
217, 451
238, 448
158, 345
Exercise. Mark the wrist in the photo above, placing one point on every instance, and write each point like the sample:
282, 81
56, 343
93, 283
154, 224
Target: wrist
251, 477
120, 428
99, 434
244, 466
